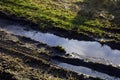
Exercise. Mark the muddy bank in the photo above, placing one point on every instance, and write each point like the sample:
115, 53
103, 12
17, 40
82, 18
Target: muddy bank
58, 31
47, 52
55, 30
108, 69
112, 44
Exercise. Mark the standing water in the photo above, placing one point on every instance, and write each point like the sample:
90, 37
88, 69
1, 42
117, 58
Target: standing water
93, 50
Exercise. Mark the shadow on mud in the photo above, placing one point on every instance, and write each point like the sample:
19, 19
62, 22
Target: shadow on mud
6, 76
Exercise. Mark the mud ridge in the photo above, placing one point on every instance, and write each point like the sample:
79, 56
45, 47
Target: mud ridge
108, 69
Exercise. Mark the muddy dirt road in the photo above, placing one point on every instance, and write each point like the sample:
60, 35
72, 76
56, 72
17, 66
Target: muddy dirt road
24, 59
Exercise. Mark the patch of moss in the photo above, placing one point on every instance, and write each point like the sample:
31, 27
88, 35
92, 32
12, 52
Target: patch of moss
59, 48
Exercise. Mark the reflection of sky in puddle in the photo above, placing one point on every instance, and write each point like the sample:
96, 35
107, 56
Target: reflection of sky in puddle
84, 48
84, 70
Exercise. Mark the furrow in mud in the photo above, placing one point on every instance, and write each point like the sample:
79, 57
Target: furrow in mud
108, 69
37, 63
31, 58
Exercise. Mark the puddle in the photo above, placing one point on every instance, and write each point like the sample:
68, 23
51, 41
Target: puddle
84, 70
84, 49
92, 50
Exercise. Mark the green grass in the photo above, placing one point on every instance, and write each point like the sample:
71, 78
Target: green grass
50, 13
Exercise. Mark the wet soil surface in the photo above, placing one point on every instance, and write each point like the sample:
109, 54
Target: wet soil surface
24, 59
40, 56
108, 69
114, 43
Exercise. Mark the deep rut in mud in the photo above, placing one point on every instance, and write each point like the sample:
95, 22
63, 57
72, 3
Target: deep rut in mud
39, 56
16, 57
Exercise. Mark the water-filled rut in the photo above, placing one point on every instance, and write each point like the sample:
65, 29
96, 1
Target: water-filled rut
91, 50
